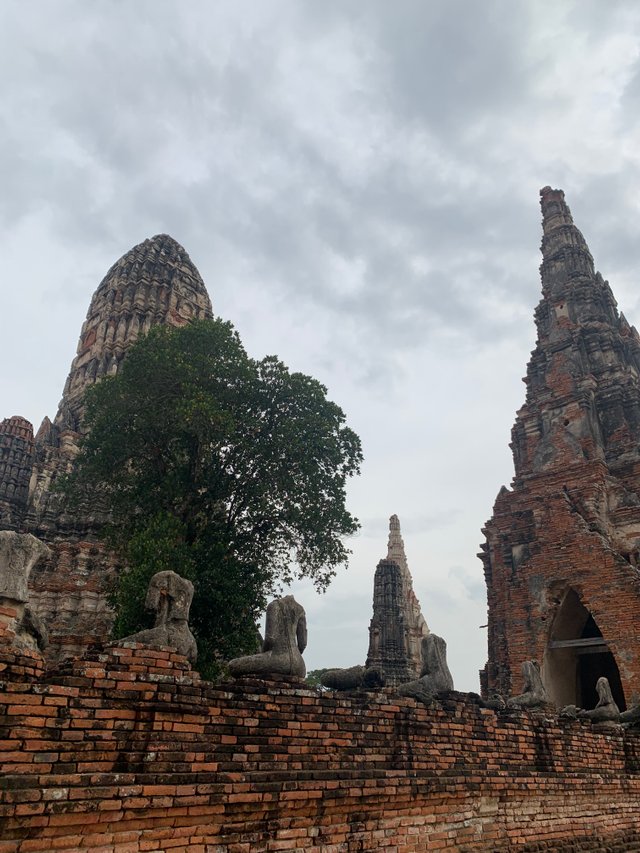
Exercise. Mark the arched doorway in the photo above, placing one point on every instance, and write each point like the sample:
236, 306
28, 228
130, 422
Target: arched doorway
577, 655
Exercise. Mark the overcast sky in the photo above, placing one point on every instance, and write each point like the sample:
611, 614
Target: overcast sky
357, 183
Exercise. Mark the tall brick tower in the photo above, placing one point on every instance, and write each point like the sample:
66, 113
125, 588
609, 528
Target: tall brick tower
562, 551
154, 283
397, 626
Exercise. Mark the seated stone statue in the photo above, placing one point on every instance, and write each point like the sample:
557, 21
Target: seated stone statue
353, 678
495, 702
170, 596
534, 694
285, 638
606, 711
19, 553
435, 676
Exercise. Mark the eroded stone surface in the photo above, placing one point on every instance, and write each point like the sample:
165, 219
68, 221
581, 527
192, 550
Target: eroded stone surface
435, 676
19, 553
352, 678
154, 283
563, 545
605, 713
533, 694
285, 638
170, 597
16, 463
397, 627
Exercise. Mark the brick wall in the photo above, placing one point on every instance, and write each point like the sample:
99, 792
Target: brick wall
553, 521
130, 751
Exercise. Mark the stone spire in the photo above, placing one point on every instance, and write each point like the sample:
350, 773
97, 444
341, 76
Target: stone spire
395, 547
565, 253
396, 554
397, 626
569, 529
585, 353
154, 283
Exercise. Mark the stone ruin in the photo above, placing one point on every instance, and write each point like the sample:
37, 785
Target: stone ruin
285, 638
397, 627
154, 283
606, 712
562, 551
169, 596
435, 676
129, 749
561, 544
562, 564
403, 654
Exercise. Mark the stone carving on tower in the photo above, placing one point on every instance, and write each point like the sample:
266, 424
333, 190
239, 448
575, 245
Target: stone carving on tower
562, 551
16, 463
398, 626
154, 283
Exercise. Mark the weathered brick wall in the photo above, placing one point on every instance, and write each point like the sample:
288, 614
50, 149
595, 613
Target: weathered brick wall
130, 751
553, 521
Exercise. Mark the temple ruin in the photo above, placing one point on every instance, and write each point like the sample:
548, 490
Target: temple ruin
397, 626
126, 748
154, 283
562, 551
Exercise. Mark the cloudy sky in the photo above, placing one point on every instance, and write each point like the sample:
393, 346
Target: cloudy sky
357, 182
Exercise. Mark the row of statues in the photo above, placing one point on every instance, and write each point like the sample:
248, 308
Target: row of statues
169, 596
534, 697
285, 640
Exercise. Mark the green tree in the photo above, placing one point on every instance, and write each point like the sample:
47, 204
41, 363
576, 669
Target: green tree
314, 676
228, 470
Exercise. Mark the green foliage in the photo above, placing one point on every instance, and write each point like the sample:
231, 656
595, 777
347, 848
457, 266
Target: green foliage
225, 469
314, 676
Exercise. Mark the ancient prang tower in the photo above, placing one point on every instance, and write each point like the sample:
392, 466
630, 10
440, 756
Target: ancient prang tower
154, 283
397, 626
562, 551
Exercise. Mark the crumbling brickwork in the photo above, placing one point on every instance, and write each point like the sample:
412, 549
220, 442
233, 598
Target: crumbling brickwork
563, 545
130, 751
154, 283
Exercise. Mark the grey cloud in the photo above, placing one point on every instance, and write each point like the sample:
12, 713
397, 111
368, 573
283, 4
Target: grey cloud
446, 63
131, 91
378, 527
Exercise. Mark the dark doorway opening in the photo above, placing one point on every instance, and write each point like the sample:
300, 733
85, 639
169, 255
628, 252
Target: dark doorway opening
577, 656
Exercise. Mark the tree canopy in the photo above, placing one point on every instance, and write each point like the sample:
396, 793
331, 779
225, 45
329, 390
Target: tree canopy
228, 470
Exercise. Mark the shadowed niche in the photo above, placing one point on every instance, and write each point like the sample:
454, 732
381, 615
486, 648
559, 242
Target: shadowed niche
577, 655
